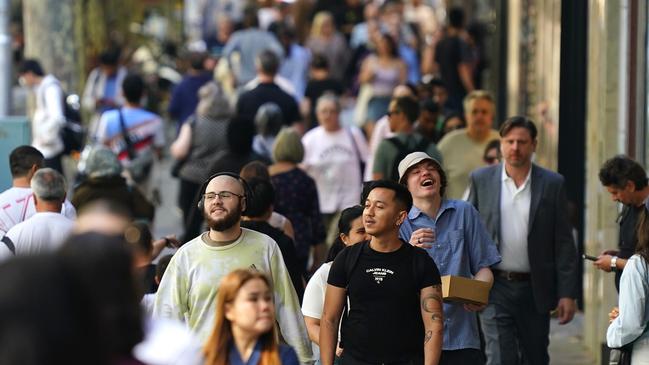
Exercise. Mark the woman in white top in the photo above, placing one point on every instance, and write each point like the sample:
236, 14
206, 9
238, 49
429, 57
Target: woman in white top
333, 156
351, 231
630, 324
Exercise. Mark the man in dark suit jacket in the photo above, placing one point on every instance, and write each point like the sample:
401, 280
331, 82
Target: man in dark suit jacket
524, 208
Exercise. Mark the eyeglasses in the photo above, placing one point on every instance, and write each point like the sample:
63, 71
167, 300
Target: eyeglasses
392, 112
223, 195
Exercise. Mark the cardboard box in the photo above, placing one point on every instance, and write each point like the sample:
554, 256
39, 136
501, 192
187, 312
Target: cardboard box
465, 290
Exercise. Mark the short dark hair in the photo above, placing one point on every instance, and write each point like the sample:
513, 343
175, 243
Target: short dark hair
255, 170
518, 122
456, 17
429, 106
197, 60
401, 193
437, 82
31, 65
408, 106
264, 197
319, 62
133, 88
268, 62
347, 216
22, 158
494, 143
619, 170
109, 57
250, 17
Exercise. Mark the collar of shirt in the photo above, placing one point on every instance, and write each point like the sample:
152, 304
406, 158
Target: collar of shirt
446, 204
506, 179
235, 357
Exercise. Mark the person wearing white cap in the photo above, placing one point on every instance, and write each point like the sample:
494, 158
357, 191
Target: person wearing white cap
452, 233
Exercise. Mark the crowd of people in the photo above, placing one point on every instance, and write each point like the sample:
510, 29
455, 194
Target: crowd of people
308, 235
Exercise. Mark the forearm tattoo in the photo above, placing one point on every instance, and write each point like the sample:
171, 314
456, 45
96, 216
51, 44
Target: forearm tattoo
429, 335
428, 302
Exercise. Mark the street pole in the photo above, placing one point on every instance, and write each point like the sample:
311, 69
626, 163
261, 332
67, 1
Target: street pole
5, 59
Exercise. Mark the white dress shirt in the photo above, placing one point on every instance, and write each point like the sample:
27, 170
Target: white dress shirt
514, 223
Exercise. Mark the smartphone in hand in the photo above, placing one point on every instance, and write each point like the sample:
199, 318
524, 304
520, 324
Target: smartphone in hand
589, 257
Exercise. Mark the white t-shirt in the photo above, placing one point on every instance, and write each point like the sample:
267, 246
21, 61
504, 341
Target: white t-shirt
314, 294
17, 205
331, 159
44, 232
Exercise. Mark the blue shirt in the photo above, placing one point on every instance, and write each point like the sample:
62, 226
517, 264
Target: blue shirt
462, 247
287, 355
632, 323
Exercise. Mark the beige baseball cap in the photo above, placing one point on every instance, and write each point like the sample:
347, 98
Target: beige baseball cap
411, 160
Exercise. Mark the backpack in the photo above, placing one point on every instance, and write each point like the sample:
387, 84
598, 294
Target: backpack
72, 133
404, 150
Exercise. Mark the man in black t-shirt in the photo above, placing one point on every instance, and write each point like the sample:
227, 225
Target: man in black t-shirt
454, 58
319, 83
268, 91
256, 218
626, 181
395, 300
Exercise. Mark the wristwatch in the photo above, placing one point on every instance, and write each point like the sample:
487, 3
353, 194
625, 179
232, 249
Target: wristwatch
614, 263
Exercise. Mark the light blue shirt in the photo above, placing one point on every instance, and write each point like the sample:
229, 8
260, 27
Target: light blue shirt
462, 247
631, 324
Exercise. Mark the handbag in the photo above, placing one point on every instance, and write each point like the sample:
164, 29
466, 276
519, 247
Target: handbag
361, 163
140, 165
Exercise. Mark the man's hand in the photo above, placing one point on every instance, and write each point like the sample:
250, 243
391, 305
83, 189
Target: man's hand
603, 262
613, 314
423, 237
566, 310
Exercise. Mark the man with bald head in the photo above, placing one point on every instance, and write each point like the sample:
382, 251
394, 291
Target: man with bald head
190, 284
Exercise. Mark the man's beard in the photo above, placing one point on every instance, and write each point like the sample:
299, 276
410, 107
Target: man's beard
225, 223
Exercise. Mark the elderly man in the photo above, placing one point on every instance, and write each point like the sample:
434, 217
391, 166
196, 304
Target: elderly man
48, 228
188, 289
17, 202
452, 233
462, 149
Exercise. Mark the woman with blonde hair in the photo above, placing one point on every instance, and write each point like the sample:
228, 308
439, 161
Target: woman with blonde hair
245, 332
325, 39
